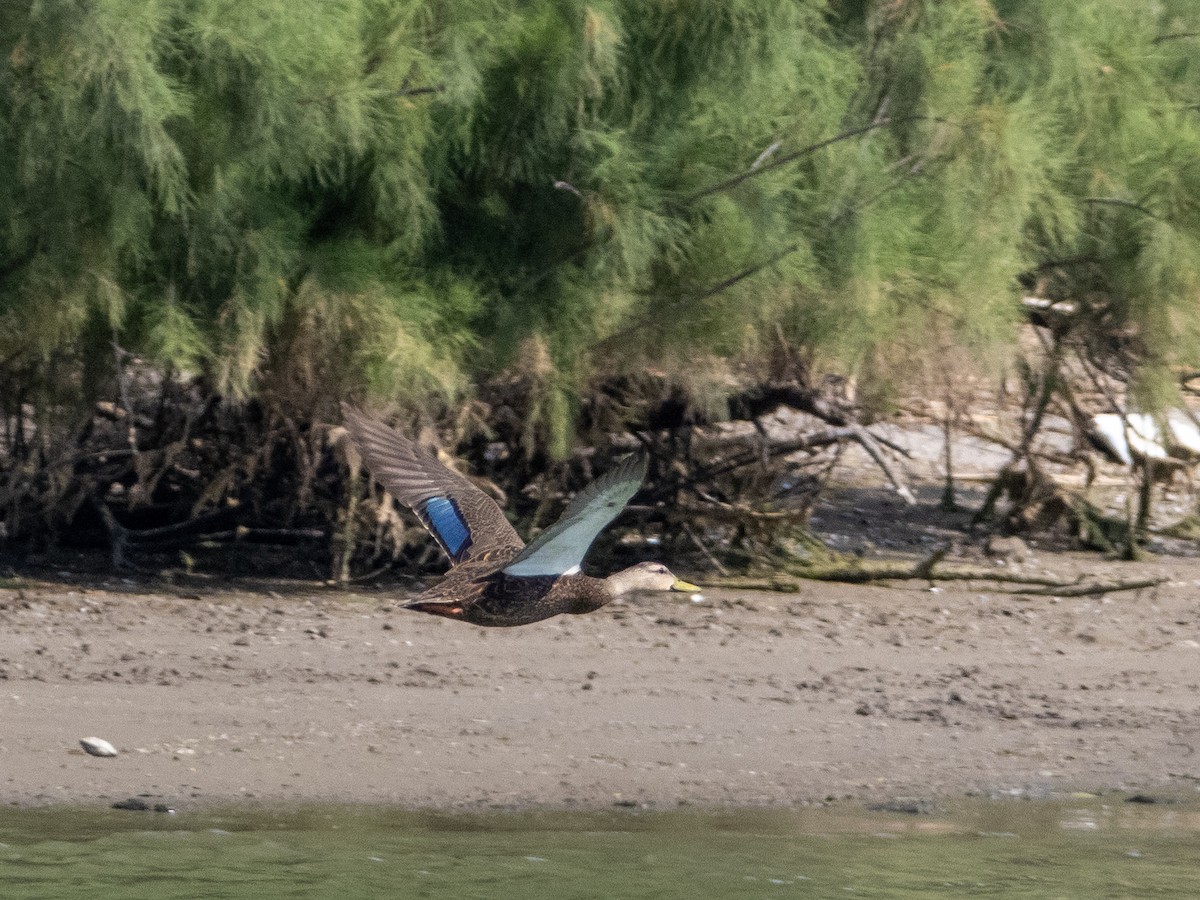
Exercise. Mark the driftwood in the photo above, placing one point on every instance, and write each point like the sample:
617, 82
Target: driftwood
191, 533
864, 572
769, 449
181, 467
871, 445
1048, 587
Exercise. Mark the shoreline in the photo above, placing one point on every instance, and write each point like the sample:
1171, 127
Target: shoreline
836, 693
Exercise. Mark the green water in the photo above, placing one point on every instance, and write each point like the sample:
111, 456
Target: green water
1082, 848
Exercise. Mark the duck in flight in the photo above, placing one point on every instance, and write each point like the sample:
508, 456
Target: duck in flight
494, 578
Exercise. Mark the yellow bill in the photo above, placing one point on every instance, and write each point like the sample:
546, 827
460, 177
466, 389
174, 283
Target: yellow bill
681, 585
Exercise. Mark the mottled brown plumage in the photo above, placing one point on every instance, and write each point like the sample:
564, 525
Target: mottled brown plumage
495, 579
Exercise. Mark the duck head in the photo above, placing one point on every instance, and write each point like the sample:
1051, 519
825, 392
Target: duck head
647, 576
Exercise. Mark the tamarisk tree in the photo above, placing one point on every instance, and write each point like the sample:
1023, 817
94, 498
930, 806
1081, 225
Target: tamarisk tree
404, 199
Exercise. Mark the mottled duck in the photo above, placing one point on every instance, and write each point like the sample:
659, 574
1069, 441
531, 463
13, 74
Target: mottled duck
495, 579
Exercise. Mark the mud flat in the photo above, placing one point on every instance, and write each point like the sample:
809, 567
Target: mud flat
308, 694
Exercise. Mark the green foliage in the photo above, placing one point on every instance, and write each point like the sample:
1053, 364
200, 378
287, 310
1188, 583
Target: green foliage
400, 199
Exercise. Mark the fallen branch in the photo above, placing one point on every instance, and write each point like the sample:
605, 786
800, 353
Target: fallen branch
850, 575
773, 449
866, 572
708, 554
118, 536
721, 511
868, 443
185, 534
824, 438
1095, 590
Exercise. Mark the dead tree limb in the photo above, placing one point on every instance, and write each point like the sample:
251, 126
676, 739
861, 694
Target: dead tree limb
868, 443
863, 572
708, 554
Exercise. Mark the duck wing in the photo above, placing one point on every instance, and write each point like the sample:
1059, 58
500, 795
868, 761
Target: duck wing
464, 520
560, 549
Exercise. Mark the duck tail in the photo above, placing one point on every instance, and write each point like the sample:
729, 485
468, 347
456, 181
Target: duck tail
445, 608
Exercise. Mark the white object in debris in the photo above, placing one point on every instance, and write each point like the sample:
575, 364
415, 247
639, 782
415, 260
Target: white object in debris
1136, 435
1185, 434
98, 746
1145, 438
1062, 307
1140, 435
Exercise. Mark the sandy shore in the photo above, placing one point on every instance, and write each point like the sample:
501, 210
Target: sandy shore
745, 698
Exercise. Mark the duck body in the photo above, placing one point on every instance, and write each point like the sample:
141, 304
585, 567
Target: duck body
495, 579
503, 601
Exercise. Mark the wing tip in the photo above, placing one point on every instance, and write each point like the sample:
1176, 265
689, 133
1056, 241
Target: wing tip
356, 419
639, 461
631, 467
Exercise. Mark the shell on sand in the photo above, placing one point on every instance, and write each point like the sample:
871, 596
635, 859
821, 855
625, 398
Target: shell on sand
97, 746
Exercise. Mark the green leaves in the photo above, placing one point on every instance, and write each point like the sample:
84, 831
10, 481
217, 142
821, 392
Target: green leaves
402, 198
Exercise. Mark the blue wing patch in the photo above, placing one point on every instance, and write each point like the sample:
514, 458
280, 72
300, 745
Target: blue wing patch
448, 524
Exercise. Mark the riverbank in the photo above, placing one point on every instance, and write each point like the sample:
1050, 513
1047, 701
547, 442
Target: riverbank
297, 693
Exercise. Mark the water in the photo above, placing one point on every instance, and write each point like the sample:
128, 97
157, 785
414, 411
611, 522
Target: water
1090, 847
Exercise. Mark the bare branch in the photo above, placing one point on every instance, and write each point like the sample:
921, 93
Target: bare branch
868, 443
418, 91
759, 168
1118, 201
1175, 36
